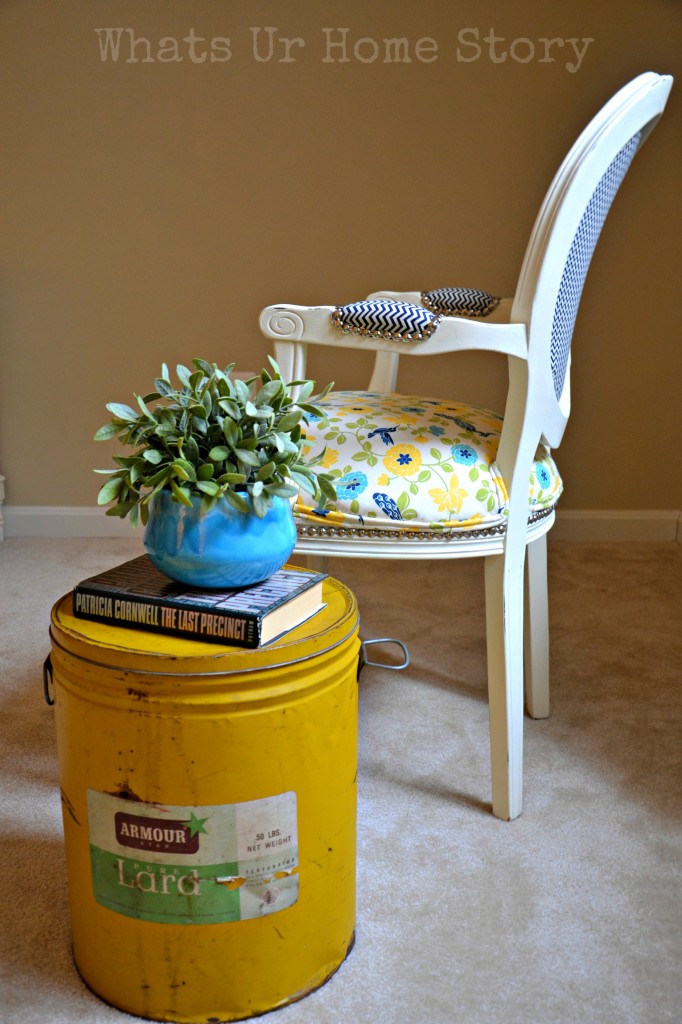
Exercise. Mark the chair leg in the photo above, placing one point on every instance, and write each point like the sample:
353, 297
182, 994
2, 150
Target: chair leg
317, 563
536, 630
504, 628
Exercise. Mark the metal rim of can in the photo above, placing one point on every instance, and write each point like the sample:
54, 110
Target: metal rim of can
337, 623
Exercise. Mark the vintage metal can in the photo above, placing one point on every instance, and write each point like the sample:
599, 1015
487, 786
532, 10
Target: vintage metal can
209, 805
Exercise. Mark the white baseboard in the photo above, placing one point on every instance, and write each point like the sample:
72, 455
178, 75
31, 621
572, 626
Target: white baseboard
76, 521
63, 521
615, 525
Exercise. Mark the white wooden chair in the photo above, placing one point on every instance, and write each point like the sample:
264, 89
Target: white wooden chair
398, 459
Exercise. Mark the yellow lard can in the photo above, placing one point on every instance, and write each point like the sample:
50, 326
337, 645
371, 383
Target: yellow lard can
209, 805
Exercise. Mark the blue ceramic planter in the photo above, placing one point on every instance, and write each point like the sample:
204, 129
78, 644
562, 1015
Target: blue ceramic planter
219, 549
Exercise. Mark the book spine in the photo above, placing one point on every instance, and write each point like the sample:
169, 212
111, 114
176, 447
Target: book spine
163, 617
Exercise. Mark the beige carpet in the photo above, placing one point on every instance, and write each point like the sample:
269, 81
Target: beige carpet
569, 914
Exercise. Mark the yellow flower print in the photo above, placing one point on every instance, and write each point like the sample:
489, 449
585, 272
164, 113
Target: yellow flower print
403, 459
331, 457
402, 417
359, 409
383, 480
450, 500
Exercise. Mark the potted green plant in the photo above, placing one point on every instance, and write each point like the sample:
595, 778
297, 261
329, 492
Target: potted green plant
216, 462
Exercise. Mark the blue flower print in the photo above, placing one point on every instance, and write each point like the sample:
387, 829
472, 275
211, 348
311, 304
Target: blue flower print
321, 511
465, 425
543, 476
437, 431
412, 408
387, 505
464, 454
350, 485
384, 433
471, 428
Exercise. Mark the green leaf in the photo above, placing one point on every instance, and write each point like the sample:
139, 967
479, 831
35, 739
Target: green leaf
327, 488
304, 482
473, 473
121, 510
232, 478
242, 391
108, 431
183, 375
235, 499
143, 406
123, 412
261, 504
164, 387
270, 390
184, 470
289, 420
249, 458
205, 472
283, 443
219, 453
110, 490
152, 455
191, 449
403, 501
282, 490
206, 368
208, 487
181, 494
230, 407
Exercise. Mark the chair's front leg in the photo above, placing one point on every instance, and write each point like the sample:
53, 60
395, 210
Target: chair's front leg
536, 632
291, 359
504, 629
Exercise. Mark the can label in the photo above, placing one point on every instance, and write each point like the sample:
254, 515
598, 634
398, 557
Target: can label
194, 865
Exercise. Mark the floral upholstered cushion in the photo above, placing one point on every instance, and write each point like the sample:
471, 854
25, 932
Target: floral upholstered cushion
407, 462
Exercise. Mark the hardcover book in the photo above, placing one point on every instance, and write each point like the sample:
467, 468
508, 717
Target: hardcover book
137, 595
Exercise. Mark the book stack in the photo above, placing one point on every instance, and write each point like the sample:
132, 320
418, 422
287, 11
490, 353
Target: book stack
137, 595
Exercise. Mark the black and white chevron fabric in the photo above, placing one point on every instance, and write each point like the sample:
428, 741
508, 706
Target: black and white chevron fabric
384, 318
460, 302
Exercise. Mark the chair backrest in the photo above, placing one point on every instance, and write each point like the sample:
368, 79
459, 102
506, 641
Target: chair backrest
565, 234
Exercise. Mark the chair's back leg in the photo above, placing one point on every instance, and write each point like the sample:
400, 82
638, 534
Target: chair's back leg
385, 373
536, 630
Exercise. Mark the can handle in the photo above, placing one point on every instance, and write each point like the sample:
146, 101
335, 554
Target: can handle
364, 660
47, 681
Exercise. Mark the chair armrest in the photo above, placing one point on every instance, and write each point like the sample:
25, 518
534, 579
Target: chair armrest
312, 325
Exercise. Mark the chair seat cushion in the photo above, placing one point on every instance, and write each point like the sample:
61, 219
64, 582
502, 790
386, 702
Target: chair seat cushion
405, 462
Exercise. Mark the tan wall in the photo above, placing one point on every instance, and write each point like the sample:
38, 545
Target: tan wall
152, 208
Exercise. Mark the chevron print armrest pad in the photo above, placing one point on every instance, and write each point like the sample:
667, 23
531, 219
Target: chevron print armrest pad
384, 318
460, 302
